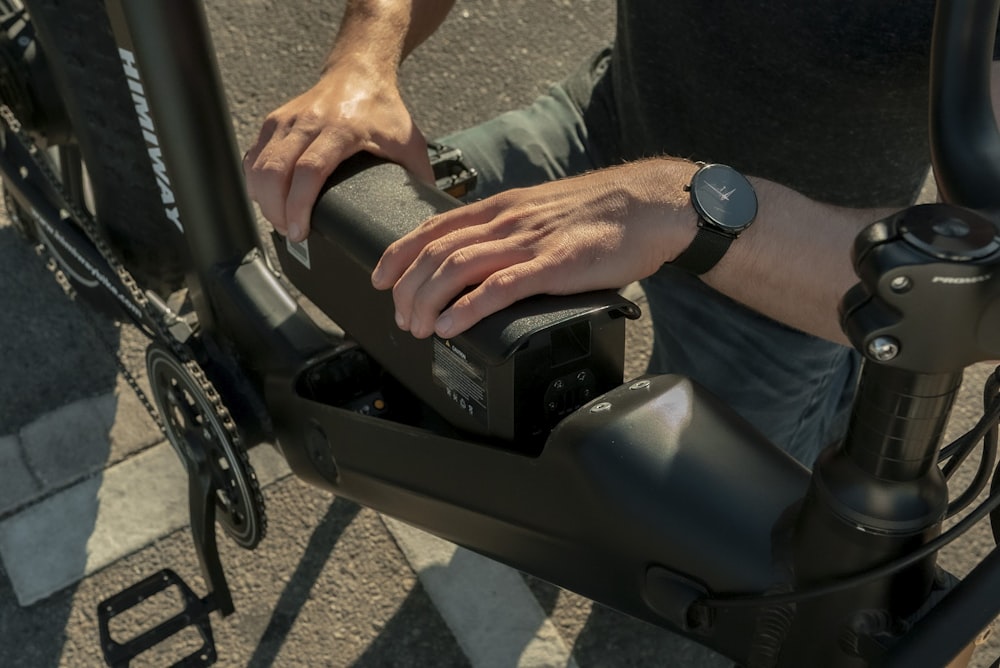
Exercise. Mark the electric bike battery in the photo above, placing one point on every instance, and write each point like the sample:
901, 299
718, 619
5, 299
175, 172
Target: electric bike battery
512, 376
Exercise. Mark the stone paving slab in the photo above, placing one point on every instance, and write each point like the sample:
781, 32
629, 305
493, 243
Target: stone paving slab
17, 482
501, 624
80, 529
70, 442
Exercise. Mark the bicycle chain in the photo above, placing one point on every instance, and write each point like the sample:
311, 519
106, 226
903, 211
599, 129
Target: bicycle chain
52, 264
85, 222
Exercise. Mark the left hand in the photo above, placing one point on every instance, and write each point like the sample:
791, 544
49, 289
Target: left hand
604, 229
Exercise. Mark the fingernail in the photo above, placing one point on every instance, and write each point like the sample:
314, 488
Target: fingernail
377, 277
400, 322
444, 325
294, 232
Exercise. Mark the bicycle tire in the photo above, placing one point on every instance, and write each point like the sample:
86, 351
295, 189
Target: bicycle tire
76, 38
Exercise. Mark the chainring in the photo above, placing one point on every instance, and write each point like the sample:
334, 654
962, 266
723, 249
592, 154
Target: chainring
196, 423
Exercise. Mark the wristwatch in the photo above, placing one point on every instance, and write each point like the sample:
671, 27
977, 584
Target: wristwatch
726, 204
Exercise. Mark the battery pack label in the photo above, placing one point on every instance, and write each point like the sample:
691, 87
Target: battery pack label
463, 380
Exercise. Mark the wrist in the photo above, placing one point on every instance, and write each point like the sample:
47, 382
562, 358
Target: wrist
371, 70
674, 220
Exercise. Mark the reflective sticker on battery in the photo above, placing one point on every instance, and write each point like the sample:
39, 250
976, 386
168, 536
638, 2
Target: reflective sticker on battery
299, 250
462, 379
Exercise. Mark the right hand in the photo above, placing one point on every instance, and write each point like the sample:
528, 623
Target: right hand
300, 144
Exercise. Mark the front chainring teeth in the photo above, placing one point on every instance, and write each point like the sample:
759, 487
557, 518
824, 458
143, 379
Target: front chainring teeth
197, 422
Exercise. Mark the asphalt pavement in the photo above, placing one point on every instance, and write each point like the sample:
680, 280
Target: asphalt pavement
92, 499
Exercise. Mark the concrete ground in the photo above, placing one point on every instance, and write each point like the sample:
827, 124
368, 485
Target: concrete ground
92, 499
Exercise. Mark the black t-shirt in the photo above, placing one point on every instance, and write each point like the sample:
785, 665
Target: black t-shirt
828, 97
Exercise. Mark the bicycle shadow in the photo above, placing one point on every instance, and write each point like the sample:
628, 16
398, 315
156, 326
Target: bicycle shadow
317, 600
417, 633
51, 459
295, 595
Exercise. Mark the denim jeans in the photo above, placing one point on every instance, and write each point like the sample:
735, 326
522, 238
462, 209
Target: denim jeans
794, 388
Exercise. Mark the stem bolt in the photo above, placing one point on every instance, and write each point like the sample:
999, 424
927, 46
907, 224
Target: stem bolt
901, 284
883, 348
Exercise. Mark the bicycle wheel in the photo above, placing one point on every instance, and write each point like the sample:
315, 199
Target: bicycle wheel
71, 93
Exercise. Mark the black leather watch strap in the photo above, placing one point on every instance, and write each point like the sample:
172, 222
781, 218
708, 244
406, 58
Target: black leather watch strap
706, 249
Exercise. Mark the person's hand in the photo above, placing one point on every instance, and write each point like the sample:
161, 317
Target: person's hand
301, 143
601, 230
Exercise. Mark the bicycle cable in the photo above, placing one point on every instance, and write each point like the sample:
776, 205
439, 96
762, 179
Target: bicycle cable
984, 430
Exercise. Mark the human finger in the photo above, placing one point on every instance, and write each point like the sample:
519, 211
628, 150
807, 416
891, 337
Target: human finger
431, 283
495, 293
250, 157
311, 170
403, 252
271, 130
272, 171
413, 156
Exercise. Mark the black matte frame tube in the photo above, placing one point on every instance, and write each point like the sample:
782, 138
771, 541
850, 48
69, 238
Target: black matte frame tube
954, 623
180, 81
965, 142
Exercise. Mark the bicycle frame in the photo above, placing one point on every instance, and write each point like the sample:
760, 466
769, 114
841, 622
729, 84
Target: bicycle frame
653, 498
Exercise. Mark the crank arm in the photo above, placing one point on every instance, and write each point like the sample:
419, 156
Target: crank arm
196, 612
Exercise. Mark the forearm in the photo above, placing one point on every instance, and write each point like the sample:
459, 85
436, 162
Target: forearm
794, 264
379, 34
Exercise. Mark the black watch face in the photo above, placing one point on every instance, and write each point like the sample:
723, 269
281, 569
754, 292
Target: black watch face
723, 196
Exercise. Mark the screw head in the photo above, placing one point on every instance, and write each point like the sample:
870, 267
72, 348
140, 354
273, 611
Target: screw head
883, 348
602, 407
639, 385
900, 284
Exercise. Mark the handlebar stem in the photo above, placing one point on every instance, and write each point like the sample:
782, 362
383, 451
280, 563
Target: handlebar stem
899, 420
872, 499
